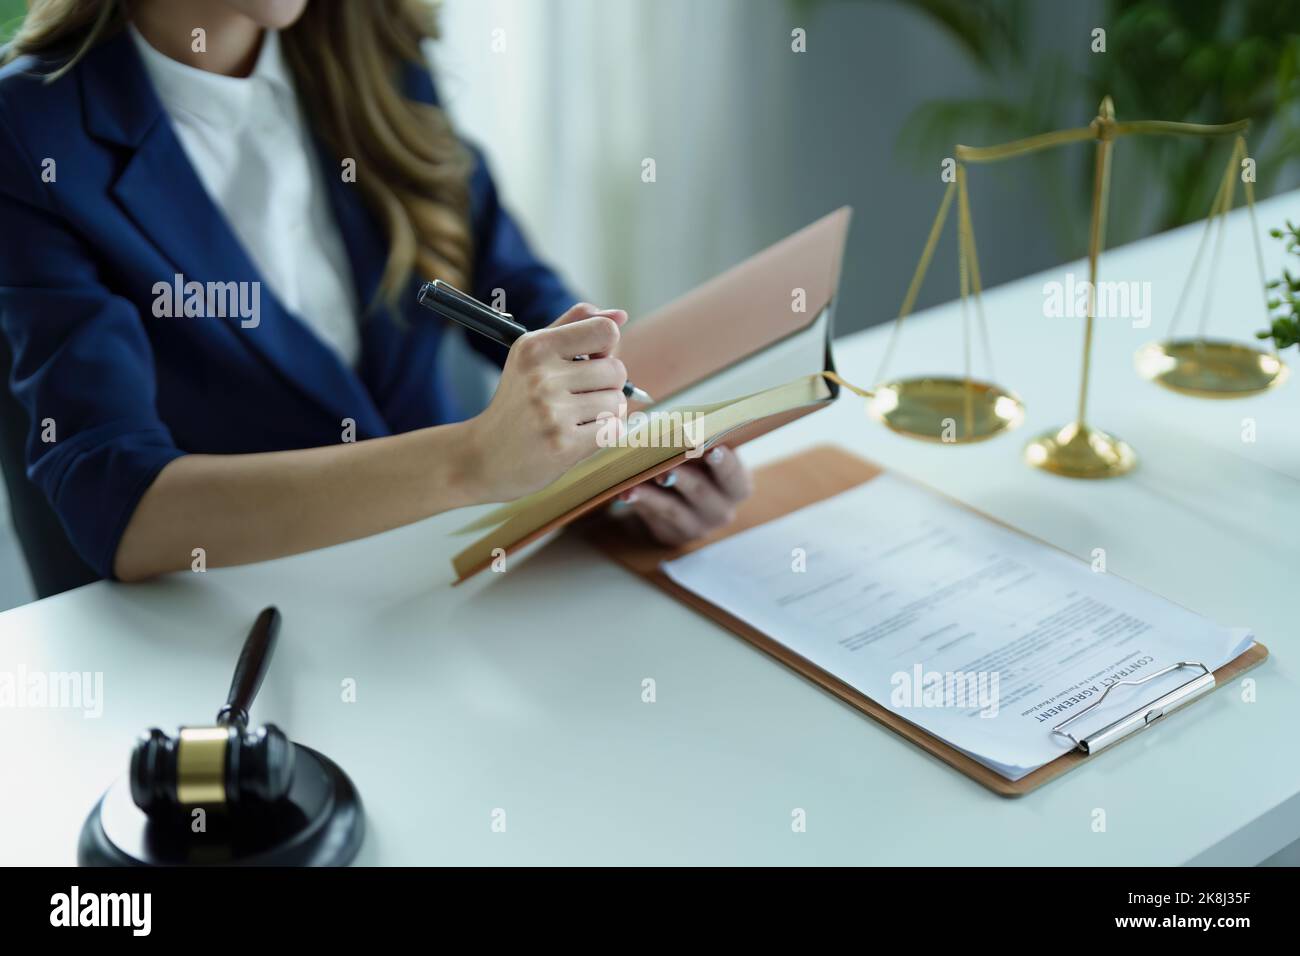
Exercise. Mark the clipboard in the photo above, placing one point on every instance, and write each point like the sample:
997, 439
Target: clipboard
823, 471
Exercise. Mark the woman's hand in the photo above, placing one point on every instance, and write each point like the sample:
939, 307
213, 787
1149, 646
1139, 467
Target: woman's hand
546, 415
694, 499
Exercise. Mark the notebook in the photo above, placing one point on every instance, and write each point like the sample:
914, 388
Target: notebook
735, 358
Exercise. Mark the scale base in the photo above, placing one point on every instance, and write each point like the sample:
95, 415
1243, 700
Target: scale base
1077, 451
1210, 369
319, 823
951, 411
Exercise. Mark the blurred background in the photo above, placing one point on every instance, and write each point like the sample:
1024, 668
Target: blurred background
752, 140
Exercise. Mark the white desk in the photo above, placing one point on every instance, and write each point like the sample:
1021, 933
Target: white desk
523, 691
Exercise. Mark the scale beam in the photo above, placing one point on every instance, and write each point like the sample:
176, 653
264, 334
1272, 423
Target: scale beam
963, 410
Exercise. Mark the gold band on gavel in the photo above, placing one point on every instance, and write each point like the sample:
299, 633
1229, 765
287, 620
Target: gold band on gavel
201, 765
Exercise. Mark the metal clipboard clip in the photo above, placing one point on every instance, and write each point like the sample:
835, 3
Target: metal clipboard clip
1145, 715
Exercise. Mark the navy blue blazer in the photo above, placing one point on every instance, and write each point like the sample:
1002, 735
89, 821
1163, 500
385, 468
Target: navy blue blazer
129, 392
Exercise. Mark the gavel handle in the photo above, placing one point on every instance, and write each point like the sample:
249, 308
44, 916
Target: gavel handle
253, 662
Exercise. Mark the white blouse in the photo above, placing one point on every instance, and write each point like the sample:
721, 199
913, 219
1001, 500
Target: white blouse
250, 146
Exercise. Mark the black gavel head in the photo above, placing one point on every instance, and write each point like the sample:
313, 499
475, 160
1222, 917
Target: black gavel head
222, 766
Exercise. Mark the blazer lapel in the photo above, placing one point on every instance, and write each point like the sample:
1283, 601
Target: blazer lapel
382, 337
161, 192
385, 338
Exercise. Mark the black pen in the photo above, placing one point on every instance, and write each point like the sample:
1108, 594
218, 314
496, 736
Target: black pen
450, 303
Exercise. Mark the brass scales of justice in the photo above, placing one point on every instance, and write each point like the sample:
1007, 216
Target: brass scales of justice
962, 410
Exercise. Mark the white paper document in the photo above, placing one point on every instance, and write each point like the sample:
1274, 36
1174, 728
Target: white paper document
983, 637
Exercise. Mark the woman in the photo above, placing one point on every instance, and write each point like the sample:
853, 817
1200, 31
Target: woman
288, 162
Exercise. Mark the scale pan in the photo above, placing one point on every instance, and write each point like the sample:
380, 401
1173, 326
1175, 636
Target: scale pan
1210, 369
952, 411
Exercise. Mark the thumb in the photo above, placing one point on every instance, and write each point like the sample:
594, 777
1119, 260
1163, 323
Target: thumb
585, 310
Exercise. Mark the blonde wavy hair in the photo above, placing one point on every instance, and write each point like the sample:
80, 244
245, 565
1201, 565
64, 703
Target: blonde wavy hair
346, 59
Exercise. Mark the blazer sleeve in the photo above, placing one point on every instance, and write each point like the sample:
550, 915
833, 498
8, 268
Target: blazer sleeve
82, 367
534, 294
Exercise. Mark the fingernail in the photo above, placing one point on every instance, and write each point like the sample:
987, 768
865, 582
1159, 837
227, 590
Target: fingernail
667, 481
631, 495
716, 455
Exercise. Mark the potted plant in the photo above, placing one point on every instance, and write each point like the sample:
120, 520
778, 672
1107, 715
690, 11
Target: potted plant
1284, 295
